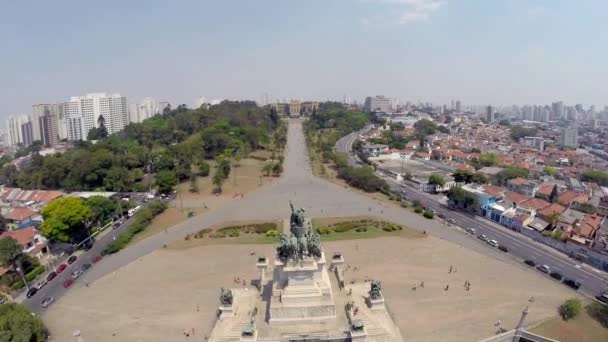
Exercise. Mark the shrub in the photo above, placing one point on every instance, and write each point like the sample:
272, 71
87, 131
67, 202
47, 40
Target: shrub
34, 273
17, 285
416, 203
599, 312
203, 169
361, 230
418, 210
570, 309
201, 233
547, 233
404, 204
273, 233
428, 214
142, 220
324, 230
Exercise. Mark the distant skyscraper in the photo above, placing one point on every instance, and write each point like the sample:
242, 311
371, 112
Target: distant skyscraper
27, 133
558, 109
458, 109
378, 103
489, 114
569, 137
13, 125
579, 107
45, 123
83, 114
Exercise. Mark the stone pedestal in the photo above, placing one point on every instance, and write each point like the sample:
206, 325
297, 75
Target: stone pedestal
376, 304
358, 335
262, 266
228, 311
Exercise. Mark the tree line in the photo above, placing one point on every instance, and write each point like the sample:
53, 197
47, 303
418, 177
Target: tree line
177, 141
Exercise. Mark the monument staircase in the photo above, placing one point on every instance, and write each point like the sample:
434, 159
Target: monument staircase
375, 331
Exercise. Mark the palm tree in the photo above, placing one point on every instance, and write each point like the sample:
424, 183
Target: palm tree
10, 256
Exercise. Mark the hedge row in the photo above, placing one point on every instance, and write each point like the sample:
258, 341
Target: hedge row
143, 218
29, 277
234, 231
358, 226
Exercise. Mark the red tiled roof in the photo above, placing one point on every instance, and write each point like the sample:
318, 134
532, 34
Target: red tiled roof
23, 236
550, 210
518, 181
535, 203
19, 213
546, 189
46, 196
516, 197
589, 224
493, 190
567, 197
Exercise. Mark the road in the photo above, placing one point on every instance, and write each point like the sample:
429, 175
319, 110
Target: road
519, 246
54, 288
317, 196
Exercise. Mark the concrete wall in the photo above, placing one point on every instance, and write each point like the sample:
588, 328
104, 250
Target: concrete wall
508, 337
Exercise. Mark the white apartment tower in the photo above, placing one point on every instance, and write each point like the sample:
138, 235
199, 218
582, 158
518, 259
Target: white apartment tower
142, 111
13, 125
569, 137
82, 114
378, 103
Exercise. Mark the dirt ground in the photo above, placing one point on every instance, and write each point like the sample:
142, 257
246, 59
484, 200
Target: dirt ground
160, 295
248, 178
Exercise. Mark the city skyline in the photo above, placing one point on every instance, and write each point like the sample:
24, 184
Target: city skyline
516, 52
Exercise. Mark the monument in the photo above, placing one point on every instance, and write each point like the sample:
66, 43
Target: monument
303, 302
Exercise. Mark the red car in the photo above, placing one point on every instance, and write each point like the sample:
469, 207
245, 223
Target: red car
68, 283
61, 268
51, 276
96, 258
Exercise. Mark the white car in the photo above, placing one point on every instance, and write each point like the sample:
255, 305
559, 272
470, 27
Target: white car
544, 269
41, 284
47, 301
76, 274
493, 243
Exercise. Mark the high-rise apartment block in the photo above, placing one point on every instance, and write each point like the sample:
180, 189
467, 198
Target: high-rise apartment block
569, 137
83, 113
15, 133
46, 123
378, 103
489, 114
142, 111
27, 133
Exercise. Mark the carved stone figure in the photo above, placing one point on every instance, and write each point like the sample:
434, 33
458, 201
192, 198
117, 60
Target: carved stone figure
301, 245
226, 296
297, 216
375, 290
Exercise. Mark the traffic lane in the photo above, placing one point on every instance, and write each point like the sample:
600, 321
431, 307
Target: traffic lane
54, 288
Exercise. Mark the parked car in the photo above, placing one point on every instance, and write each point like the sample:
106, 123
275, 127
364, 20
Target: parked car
451, 221
471, 231
31, 292
544, 269
86, 266
503, 249
61, 268
88, 245
41, 283
530, 262
51, 276
76, 274
96, 258
116, 224
47, 301
572, 283
68, 283
493, 243
72, 259
556, 275
482, 237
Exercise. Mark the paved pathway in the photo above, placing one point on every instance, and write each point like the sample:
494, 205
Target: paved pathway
319, 197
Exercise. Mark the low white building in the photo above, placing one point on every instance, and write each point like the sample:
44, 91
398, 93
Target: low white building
374, 150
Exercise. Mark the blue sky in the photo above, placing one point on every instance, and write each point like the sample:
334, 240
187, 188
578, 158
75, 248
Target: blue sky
478, 51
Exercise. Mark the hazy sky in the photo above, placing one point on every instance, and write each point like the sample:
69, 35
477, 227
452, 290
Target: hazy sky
478, 51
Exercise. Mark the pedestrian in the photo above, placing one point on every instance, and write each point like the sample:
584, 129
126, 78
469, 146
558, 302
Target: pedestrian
447, 287
357, 246
192, 331
422, 284
197, 308
450, 271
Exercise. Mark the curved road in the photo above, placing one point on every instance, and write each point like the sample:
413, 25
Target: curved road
320, 198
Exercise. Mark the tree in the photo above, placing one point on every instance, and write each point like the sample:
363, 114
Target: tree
2, 223
425, 127
193, 183
218, 180
277, 169
519, 131
267, 169
203, 169
511, 172
551, 171
11, 253
18, 324
599, 177
65, 219
570, 309
437, 180
462, 176
102, 131
101, 207
166, 180
488, 159
117, 179
554, 194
